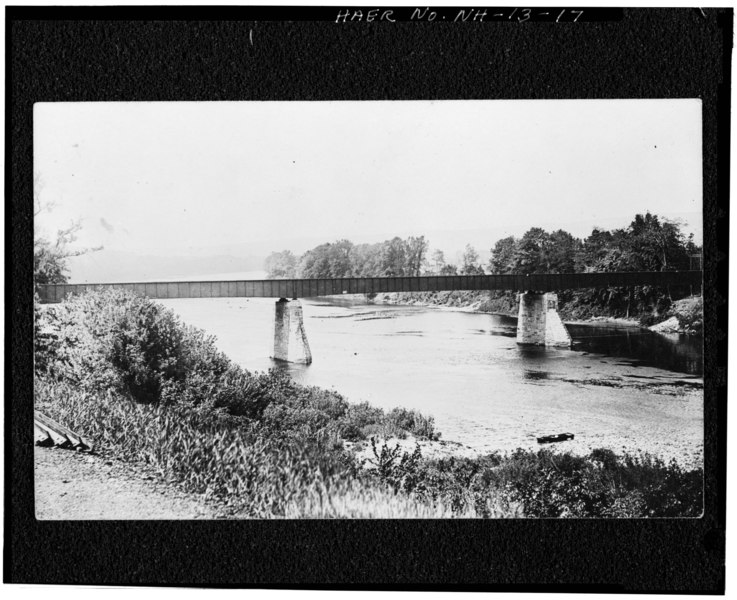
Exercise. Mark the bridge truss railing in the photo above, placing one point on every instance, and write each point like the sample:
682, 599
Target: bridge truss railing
309, 288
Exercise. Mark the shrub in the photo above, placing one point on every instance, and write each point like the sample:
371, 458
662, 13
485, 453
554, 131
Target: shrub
394, 466
362, 421
690, 314
550, 484
356, 418
667, 489
116, 339
561, 490
413, 422
233, 391
45, 338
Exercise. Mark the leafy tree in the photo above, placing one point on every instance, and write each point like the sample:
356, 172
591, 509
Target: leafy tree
595, 247
394, 260
416, 248
281, 265
531, 253
471, 262
328, 260
438, 257
562, 252
314, 263
339, 259
367, 259
502, 254
658, 244
449, 270
50, 256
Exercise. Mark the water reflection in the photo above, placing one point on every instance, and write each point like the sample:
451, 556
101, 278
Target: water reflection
535, 375
680, 353
534, 353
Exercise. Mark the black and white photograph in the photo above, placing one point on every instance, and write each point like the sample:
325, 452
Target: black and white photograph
418, 298
418, 309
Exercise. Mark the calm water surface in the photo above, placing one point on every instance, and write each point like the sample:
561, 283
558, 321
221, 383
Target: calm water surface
616, 387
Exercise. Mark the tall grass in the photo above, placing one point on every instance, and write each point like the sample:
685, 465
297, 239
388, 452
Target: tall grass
231, 461
560, 484
355, 499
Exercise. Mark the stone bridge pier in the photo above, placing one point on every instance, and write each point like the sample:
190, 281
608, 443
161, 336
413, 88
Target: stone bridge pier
290, 339
538, 321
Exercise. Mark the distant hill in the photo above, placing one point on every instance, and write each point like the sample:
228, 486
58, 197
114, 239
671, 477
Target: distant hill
109, 266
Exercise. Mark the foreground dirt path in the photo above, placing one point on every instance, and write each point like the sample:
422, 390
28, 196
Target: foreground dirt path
73, 485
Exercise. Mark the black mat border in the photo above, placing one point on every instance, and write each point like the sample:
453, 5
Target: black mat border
152, 53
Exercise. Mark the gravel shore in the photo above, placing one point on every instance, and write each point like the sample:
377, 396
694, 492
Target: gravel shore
73, 485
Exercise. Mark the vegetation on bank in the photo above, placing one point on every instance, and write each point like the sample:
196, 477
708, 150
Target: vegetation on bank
550, 484
117, 341
649, 243
123, 370
684, 316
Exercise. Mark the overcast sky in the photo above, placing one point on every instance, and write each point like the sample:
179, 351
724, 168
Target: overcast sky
162, 178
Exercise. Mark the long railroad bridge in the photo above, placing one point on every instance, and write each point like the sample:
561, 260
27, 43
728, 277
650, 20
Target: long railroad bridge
538, 322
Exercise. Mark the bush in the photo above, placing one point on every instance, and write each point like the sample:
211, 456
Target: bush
667, 489
413, 422
601, 484
117, 340
394, 466
358, 418
45, 338
690, 314
233, 391
547, 484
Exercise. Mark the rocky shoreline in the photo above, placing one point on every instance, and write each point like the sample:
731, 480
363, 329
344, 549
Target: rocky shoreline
684, 317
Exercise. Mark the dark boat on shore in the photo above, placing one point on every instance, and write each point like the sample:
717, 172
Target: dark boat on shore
561, 437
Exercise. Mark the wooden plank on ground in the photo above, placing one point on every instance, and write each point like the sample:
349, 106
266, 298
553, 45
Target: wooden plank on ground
41, 437
77, 440
59, 439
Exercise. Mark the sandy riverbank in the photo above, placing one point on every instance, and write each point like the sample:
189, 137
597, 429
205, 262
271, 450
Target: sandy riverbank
685, 448
664, 420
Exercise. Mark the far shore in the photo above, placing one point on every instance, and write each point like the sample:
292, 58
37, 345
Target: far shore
474, 308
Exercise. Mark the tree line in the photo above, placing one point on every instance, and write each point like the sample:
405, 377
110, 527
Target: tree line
649, 243
393, 258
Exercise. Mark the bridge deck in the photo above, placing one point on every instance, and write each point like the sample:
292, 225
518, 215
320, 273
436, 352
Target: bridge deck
310, 288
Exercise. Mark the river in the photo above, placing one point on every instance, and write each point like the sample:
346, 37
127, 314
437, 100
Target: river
620, 388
